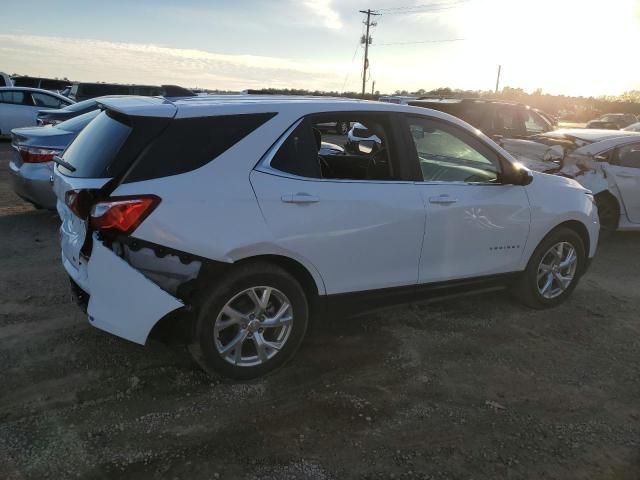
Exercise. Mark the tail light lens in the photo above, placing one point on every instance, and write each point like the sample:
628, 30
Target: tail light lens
80, 201
122, 214
37, 155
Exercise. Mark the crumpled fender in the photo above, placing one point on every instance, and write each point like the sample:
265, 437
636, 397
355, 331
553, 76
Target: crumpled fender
587, 171
123, 301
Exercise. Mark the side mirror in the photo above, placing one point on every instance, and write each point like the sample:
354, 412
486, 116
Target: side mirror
366, 147
517, 175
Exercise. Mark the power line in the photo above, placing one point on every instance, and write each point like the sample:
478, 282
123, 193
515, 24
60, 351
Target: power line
426, 7
346, 77
447, 40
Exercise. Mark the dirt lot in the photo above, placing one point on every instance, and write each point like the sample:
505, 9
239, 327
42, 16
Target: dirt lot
475, 388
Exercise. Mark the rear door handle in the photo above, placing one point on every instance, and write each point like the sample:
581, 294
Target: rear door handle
442, 200
299, 198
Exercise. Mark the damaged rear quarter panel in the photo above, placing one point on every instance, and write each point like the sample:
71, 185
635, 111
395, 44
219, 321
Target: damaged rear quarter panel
123, 301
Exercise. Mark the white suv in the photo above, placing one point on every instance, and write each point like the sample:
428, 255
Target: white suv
221, 215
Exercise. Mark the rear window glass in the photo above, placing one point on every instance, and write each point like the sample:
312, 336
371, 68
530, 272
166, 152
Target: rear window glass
76, 107
93, 151
75, 124
189, 143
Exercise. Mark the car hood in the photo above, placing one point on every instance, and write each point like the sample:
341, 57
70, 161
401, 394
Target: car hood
557, 181
43, 137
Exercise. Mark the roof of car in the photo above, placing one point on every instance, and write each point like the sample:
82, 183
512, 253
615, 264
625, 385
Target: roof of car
590, 135
36, 90
205, 105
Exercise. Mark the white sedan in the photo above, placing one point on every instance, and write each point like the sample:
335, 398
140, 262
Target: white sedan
19, 106
607, 162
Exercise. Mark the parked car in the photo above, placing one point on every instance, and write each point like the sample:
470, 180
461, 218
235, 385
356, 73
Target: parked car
84, 91
55, 116
230, 224
397, 99
340, 128
31, 165
613, 121
607, 162
497, 119
19, 106
5, 80
51, 84
634, 127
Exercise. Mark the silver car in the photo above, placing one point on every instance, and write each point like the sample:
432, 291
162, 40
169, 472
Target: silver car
31, 165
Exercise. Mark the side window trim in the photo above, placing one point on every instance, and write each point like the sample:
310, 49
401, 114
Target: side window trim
503, 163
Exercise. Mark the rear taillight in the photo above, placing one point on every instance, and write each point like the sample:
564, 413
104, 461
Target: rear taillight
37, 155
122, 214
80, 201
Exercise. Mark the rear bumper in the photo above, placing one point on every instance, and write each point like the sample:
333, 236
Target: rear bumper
32, 182
121, 300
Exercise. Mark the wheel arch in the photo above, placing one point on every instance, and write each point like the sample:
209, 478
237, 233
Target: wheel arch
607, 195
579, 228
178, 326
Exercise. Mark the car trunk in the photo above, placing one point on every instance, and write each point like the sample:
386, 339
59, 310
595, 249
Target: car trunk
93, 165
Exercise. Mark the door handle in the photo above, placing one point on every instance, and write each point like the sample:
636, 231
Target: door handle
626, 175
299, 198
442, 200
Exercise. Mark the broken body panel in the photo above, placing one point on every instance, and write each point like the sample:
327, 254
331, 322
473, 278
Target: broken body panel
587, 162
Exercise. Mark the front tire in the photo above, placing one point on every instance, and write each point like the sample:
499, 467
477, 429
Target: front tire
251, 322
553, 270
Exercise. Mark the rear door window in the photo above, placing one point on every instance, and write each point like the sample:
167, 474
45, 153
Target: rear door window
370, 151
15, 97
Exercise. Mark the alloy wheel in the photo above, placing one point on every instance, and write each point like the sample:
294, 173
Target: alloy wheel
253, 326
557, 270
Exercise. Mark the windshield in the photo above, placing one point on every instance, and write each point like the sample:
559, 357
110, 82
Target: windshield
76, 124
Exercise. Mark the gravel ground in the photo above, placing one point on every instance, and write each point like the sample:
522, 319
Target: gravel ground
476, 388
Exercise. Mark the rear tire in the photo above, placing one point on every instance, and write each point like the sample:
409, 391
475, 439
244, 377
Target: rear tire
545, 269
237, 331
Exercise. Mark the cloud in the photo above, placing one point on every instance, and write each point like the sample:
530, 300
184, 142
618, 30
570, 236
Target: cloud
97, 60
326, 11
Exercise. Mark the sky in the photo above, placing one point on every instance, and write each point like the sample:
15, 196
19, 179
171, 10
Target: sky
571, 47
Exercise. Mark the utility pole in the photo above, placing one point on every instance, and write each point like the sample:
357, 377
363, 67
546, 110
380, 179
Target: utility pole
366, 39
498, 79
373, 88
